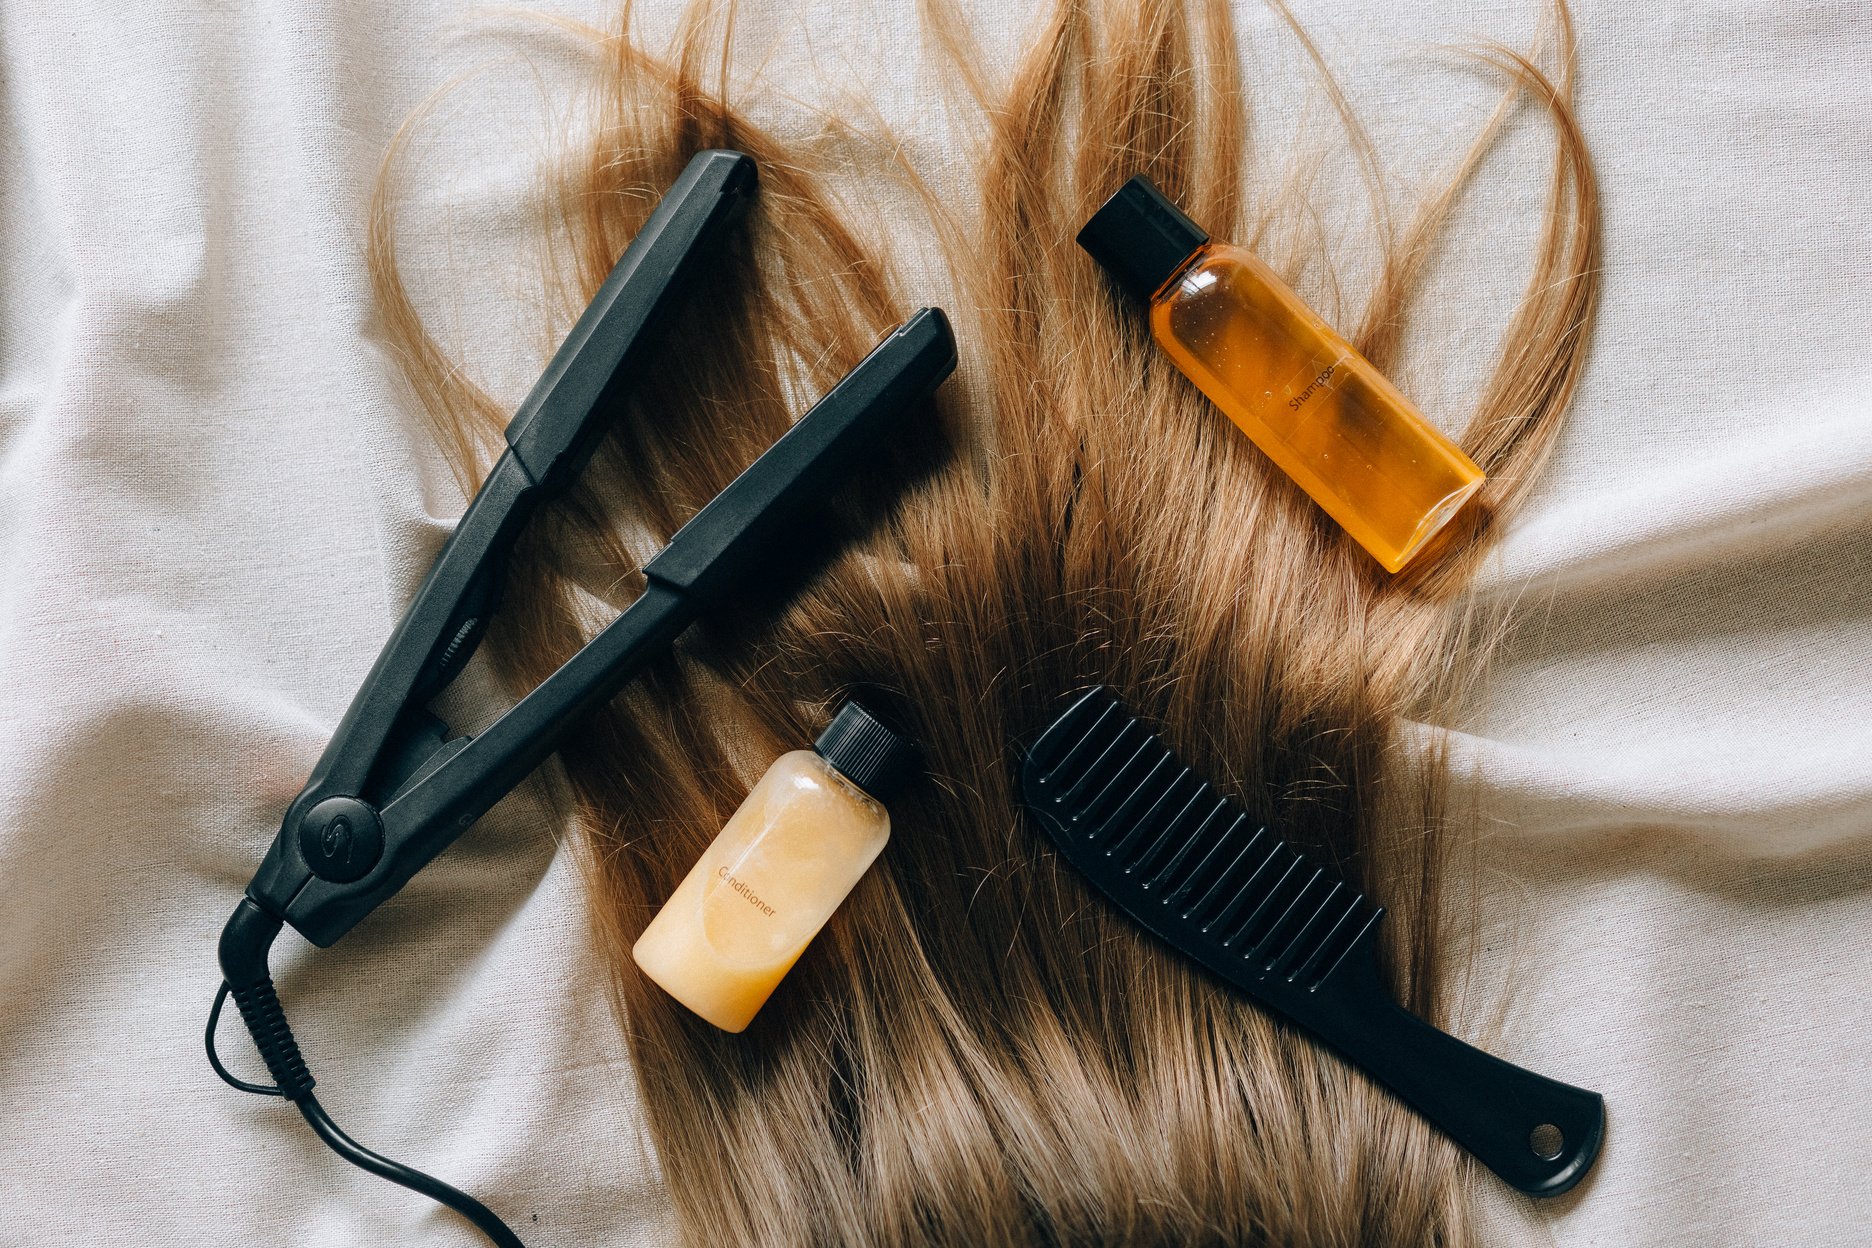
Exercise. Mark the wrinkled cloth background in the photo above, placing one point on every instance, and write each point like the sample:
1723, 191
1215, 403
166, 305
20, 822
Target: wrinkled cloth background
216, 495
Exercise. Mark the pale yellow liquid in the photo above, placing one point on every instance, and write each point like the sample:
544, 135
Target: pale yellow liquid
759, 894
1317, 407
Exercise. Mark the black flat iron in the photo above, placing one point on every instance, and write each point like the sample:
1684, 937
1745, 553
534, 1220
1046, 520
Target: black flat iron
393, 788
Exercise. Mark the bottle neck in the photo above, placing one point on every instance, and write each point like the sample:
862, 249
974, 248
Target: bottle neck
845, 781
1176, 275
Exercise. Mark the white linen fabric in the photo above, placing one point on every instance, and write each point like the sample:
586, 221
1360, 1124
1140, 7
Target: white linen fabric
215, 496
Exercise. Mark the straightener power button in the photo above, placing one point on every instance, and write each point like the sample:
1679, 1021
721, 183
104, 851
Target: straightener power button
341, 839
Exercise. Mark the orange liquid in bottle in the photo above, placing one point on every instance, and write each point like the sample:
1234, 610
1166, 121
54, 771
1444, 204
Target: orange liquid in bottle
1317, 407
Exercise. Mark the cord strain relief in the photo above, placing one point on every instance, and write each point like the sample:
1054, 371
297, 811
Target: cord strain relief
260, 1009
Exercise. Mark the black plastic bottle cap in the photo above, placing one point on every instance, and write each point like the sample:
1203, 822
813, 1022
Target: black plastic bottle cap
860, 748
1140, 237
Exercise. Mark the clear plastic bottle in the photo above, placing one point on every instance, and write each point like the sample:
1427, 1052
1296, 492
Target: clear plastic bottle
800, 842
1318, 408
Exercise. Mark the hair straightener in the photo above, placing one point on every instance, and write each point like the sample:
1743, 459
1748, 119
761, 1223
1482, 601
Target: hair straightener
393, 789
1193, 869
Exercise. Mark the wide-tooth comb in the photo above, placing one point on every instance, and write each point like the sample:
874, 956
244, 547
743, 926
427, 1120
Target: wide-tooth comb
1196, 871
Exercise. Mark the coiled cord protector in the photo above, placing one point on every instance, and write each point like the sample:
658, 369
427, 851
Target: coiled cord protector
245, 941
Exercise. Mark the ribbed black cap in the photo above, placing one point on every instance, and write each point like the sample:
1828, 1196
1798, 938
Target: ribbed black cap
859, 747
1140, 237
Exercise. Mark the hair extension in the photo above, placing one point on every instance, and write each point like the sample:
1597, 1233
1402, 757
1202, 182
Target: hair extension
976, 1051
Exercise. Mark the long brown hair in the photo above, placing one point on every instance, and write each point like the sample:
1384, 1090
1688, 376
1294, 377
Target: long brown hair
976, 1051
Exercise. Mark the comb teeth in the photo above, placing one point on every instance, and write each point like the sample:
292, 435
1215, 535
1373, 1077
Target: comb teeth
1179, 856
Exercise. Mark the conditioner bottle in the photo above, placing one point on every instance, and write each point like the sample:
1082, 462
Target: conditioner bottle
1317, 407
800, 842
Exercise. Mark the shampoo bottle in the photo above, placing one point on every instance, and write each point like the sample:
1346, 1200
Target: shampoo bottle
800, 842
1317, 407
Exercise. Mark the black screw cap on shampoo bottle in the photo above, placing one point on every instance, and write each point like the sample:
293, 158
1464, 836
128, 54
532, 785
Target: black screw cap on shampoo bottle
1318, 408
802, 839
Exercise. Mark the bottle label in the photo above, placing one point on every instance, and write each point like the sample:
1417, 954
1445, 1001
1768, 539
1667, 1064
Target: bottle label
747, 894
1313, 387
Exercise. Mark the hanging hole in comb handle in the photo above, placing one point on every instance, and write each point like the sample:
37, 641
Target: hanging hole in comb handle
1547, 1141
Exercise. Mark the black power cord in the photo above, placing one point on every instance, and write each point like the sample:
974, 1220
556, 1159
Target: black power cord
244, 944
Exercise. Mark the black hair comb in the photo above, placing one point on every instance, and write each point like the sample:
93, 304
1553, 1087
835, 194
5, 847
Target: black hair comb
1196, 871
